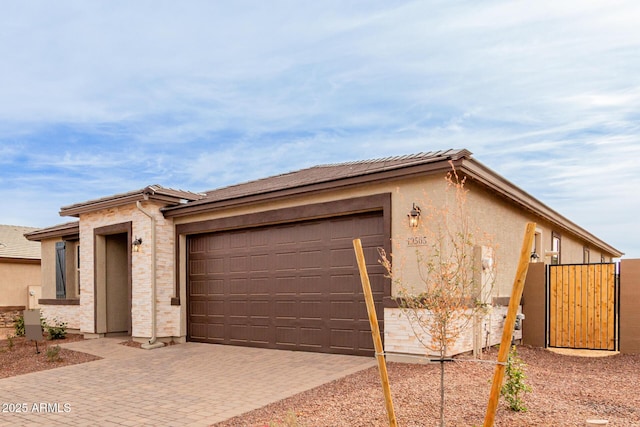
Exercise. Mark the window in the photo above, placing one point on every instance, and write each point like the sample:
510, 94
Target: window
585, 255
67, 269
555, 249
61, 270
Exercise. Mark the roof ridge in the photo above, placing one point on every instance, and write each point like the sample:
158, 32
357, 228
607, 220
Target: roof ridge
454, 154
376, 160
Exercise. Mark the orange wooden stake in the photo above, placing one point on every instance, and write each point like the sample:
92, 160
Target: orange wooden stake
375, 332
509, 323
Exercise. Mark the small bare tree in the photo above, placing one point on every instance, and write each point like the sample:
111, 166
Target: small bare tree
450, 291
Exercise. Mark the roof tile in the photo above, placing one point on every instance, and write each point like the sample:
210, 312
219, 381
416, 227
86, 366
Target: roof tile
13, 244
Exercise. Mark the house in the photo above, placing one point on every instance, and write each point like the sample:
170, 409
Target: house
19, 272
270, 263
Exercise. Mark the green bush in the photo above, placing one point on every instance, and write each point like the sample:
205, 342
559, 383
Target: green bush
57, 331
514, 386
18, 325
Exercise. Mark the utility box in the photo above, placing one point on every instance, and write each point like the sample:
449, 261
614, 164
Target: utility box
32, 325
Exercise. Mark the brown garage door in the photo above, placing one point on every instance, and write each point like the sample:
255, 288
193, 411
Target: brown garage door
292, 286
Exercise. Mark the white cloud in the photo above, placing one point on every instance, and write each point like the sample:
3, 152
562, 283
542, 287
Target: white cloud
105, 97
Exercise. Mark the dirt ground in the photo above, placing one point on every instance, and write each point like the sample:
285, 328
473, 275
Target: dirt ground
18, 355
567, 391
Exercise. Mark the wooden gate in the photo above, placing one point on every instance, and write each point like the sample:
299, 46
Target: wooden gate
582, 306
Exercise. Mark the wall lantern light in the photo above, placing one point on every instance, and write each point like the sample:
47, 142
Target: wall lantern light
534, 256
414, 216
136, 244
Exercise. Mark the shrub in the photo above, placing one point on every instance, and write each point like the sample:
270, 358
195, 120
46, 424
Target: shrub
57, 331
53, 354
10, 342
18, 326
514, 386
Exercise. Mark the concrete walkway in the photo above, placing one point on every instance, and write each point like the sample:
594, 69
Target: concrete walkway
182, 385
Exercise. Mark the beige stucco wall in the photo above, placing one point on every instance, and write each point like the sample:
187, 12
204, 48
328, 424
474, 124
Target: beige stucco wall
168, 317
491, 214
48, 273
15, 278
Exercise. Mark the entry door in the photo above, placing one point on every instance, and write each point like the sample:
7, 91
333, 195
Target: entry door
117, 284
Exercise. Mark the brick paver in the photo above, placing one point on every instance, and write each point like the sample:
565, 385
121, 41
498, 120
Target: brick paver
188, 384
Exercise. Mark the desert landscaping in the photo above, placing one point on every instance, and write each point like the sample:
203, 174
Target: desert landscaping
567, 390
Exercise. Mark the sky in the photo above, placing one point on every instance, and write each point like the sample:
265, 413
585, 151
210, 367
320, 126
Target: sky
104, 97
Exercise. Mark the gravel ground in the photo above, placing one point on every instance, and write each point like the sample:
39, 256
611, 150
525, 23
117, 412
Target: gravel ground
21, 358
567, 390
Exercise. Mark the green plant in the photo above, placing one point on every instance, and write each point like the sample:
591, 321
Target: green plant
53, 354
18, 325
514, 386
10, 342
57, 331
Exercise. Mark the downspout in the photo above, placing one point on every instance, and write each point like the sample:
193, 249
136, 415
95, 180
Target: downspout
153, 341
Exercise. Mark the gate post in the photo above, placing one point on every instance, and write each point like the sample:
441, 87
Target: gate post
534, 329
629, 319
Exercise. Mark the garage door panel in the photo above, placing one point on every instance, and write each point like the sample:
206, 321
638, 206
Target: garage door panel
293, 286
259, 334
283, 309
238, 264
197, 267
215, 265
215, 307
311, 337
343, 338
198, 287
238, 286
197, 245
286, 261
199, 330
198, 307
259, 263
238, 239
259, 285
215, 287
260, 308
287, 335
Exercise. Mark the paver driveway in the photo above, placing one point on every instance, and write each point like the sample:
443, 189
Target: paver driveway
189, 384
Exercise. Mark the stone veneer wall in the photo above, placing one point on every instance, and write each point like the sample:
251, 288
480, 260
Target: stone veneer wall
168, 317
400, 338
65, 313
8, 314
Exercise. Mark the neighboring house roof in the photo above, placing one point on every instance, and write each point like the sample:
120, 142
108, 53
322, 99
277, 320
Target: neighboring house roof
13, 244
343, 175
67, 231
151, 192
